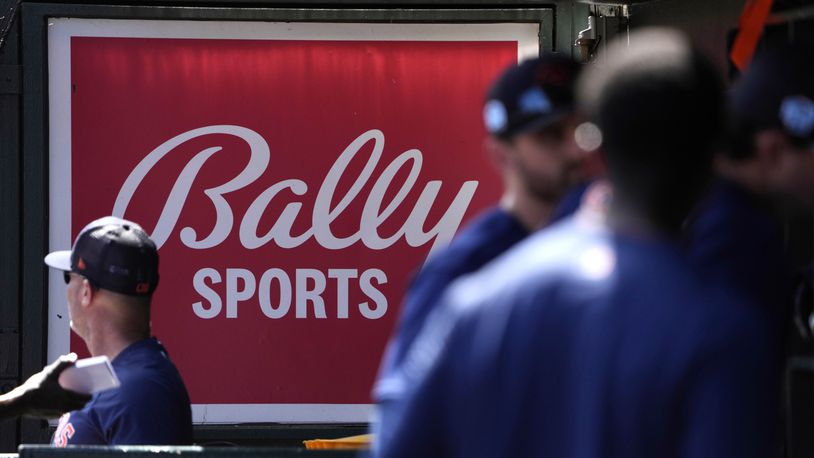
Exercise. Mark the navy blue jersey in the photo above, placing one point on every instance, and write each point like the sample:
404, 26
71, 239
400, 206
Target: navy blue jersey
150, 407
580, 342
489, 235
735, 240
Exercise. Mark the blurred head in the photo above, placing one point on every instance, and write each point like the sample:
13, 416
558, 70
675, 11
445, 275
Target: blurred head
772, 112
659, 107
530, 116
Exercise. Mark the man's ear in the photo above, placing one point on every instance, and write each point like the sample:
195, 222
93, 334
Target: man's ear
87, 293
497, 150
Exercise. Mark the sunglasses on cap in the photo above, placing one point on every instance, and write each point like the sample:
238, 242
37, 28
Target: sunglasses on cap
66, 275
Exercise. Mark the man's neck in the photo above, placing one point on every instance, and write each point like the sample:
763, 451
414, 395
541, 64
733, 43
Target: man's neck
109, 342
531, 212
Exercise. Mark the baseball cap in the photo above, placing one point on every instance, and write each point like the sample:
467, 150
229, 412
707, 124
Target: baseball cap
530, 96
777, 91
114, 254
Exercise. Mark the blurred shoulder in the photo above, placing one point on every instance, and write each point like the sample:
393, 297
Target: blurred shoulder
568, 254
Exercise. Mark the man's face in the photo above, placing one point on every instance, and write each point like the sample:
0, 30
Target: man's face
74, 294
548, 161
796, 173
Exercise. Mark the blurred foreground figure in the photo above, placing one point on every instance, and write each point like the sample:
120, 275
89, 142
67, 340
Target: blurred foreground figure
595, 338
41, 396
530, 116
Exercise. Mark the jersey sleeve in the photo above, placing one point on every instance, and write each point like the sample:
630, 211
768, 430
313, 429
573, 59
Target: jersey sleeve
413, 420
425, 291
415, 424
77, 428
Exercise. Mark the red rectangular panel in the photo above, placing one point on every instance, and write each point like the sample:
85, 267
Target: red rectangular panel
282, 179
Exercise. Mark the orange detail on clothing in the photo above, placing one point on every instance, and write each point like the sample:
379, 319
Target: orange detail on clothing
64, 432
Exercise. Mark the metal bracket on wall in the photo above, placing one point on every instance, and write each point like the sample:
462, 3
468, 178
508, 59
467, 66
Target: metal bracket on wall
11, 79
611, 10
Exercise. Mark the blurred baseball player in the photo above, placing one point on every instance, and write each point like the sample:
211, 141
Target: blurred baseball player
594, 337
111, 273
736, 237
529, 114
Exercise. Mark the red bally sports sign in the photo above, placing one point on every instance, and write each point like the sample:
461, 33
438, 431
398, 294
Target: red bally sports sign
294, 177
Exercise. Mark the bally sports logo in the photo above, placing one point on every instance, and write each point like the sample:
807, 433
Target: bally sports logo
305, 289
293, 185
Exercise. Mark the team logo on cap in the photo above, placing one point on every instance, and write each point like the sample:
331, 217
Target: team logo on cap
81, 264
797, 115
495, 116
534, 100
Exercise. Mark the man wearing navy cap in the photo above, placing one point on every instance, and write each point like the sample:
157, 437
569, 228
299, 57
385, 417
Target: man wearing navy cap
530, 116
595, 337
769, 162
111, 273
736, 237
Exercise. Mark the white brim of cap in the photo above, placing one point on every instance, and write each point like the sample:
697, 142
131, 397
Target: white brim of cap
59, 260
